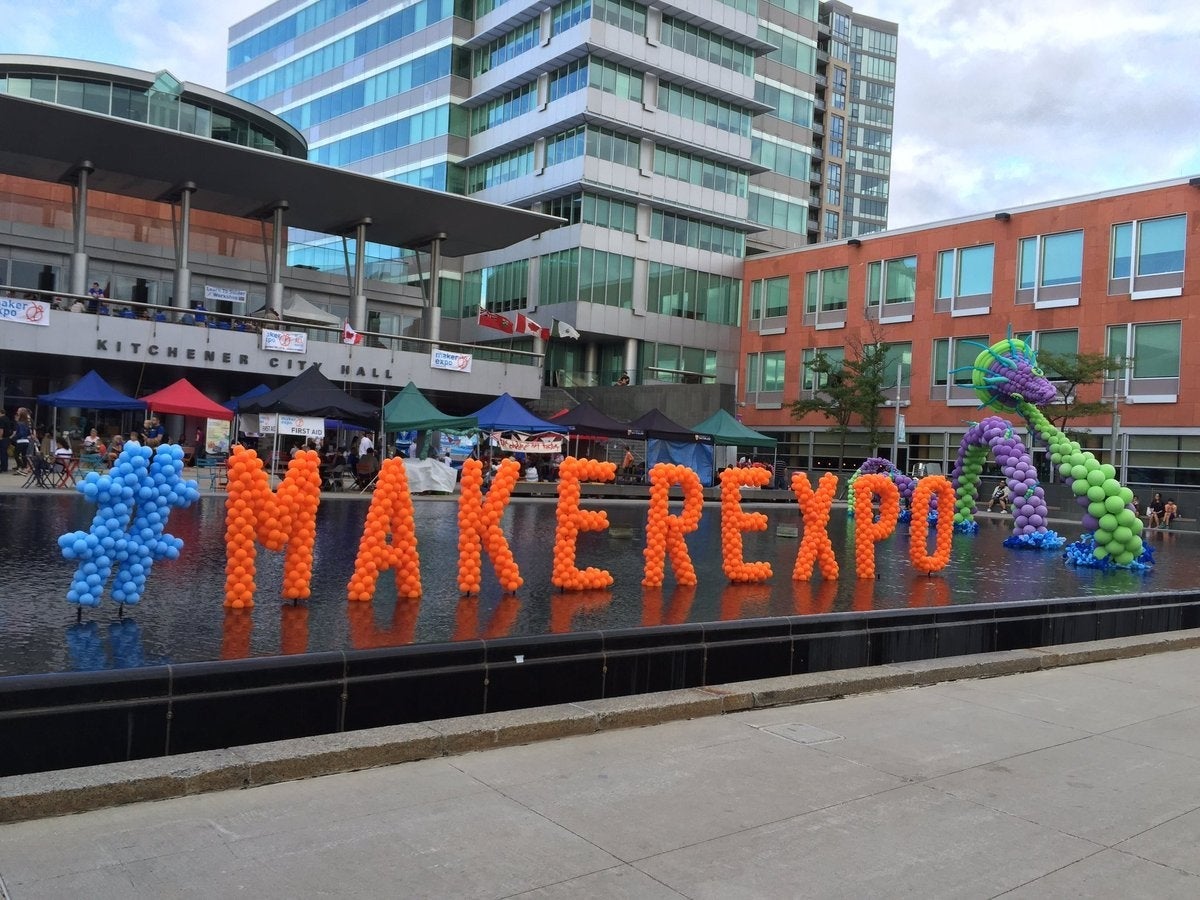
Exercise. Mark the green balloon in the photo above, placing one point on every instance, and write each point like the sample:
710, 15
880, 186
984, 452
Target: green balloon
1126, 494
1065, 470
1123, 534
1103, 536
1109, 522
1126, 517
1095, 476
1136, 525
1113, 504
1079, 472
1095, 493
1112, 487
1124, 558
1136, 546
1076, 458
1056, 458
1108, 470
1115, 547
1097, 510
1100, 553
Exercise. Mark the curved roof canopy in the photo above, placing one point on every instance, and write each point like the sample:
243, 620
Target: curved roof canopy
51, 143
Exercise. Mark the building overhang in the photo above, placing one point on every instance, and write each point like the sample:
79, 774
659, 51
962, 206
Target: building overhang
47, 142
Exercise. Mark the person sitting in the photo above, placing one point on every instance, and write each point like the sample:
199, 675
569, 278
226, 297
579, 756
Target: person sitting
999, 495
623, 381
1170, 511
1155, 511
91, 442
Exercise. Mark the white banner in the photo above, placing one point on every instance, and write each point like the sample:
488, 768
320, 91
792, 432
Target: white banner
284, 341
24, 312
216, 437
456, 362
300, 426
229, 295
534, 443
901, 435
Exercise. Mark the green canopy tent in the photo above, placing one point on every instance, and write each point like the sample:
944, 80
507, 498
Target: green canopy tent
726, 431
410, 411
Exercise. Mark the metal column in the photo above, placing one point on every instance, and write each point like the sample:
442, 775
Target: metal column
358, 298
631, 350
275, 284
79, 257
433, 313
181, 299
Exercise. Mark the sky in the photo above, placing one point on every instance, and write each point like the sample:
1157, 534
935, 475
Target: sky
998, 104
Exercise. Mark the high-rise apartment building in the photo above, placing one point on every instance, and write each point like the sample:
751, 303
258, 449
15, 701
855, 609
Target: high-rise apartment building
673, 138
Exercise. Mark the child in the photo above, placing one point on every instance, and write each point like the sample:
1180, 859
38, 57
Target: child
1170, 511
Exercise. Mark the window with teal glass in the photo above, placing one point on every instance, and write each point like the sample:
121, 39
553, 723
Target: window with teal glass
788, 106
892, 281
665, 226
769, 298
569, 79
897, 361
814, 381
500, 288
558, 277
565, 145
689, 104
699, 171
501, 169
1156, 350
508, 46
791, 51
618, 148
614, 79
1160, 245
627, 15
776, 212
966, 272
773, 370
826, 290
431, 123
605, 278
503, 108
691, 294
605, 212
1051, 259
568, 15
696, 41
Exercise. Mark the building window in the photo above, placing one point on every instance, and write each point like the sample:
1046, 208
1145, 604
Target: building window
674, 364
501, 288
765, 373
814, 381
825, 297
831, 223
776, 212
769, 300
1152, 354
691, 294
837, 130
558, 277
897, 371
1050, 269
1157, 245
964, 280
605, 278
698, 171
953, 361
892, 289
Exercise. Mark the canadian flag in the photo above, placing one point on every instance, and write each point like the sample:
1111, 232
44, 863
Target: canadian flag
526, 325
349, 335
490, 319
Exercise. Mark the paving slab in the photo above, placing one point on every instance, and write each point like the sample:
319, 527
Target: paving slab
900, 843
1097, 788
1111, 873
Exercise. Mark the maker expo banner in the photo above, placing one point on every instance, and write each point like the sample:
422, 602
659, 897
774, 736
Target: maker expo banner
24, 312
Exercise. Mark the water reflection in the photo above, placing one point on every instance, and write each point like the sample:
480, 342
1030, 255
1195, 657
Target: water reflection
181, 617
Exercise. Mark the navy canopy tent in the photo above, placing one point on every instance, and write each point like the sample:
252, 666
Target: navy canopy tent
235, 403
91, 392
310, 394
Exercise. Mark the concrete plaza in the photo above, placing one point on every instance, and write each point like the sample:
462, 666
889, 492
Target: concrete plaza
1069, 781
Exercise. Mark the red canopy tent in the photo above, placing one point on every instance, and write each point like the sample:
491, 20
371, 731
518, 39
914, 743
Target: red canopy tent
183, 398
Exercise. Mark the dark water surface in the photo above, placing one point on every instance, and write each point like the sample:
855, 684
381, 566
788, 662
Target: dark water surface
181, 617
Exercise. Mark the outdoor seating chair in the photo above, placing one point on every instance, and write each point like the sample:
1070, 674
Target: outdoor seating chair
41, 473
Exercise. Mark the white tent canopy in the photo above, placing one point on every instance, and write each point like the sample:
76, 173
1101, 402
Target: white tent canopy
298, 309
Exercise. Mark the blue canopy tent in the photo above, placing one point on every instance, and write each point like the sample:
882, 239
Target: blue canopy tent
236, 402
89, 392
506, 414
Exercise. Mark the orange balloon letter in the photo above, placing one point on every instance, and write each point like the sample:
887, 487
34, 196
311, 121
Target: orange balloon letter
815, 546
285, 518
664, 532
918, 530
867, 532
734, 522
391, 512
572, 520
479, 527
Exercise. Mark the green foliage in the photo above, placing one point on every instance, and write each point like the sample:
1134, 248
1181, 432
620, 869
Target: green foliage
1070, 372
850, 388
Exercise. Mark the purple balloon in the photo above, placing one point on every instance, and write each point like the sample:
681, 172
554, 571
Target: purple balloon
1089, 522
1036, 520
1022, 521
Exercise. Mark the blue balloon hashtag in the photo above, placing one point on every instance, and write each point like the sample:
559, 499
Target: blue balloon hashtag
133, 503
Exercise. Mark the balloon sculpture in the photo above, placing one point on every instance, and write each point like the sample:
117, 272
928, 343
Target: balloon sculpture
1006, 376
133, 503
877, 465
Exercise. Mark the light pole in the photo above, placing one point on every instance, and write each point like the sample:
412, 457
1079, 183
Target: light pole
899, 419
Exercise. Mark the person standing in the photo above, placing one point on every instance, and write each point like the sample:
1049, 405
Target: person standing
155, 433
22, 438
6, 428
365, 444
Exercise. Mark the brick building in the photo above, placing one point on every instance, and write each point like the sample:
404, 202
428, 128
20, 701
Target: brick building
1111, 273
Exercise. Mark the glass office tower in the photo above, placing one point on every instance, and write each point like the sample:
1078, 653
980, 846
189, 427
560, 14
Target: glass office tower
672, 137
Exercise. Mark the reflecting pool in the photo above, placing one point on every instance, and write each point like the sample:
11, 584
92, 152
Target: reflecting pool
181, 617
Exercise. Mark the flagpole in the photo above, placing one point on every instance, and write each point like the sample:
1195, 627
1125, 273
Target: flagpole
896, 429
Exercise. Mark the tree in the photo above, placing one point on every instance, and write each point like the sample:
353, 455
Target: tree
847, 388
1070, 372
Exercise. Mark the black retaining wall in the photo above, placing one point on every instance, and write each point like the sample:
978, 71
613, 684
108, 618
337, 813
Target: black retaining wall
74, 719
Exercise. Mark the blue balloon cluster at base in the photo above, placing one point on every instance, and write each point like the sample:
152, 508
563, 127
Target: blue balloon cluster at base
1038, 540
133, 503
905, 516
969, 526
1081, 553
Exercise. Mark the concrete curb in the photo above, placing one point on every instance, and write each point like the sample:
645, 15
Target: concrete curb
45, 794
